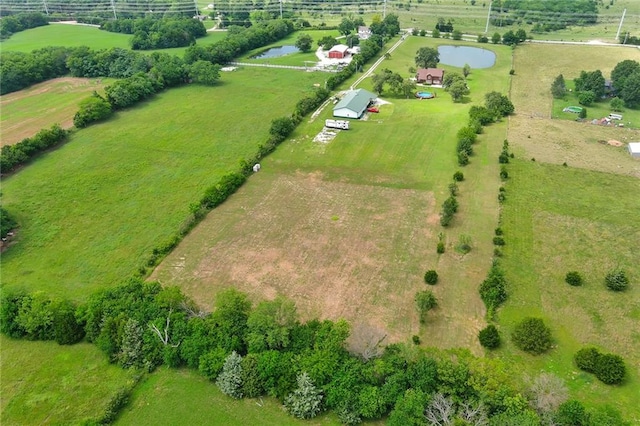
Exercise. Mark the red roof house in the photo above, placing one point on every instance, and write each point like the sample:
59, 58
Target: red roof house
430, 75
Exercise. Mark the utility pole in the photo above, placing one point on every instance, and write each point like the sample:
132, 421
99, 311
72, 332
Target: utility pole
113, 7
384, 9
195, 4
620, 26
46, 9
280, 9
486, 28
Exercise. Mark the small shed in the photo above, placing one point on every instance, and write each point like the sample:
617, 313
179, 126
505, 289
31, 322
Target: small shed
430, 76
338, 51
634, 149
353, 104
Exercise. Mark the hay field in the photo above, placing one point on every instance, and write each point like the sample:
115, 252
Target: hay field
574, 219
40, 106
534, 134
347, 229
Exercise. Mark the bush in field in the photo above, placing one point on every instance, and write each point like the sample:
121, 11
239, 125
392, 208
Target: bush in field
493, 290
586, 359
431, 277
573, 278
498, 241
608, 368
458, 176
617, 280
489, 337
425, 301
440, 248
92, 109
532, 335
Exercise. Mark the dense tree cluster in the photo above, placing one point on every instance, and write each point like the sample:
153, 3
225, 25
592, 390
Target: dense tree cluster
12, 156
398, 86
608, 368
19, 69
149, 33
22, 21
266, 350
625, 78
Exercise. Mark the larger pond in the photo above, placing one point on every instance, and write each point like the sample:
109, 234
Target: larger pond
275, 52
460, 55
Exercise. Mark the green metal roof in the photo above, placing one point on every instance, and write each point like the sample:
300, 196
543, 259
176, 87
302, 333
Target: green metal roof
355, 100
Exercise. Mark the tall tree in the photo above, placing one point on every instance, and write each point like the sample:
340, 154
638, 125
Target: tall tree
558, 87
623, 70
427, 57
304, 402
630, 93
230, 379
304, 42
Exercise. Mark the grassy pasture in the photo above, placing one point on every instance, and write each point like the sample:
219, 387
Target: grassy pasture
534, 134
184, 397
566, 221
80, 35
90, 210
40, 106
45, 383
347, 229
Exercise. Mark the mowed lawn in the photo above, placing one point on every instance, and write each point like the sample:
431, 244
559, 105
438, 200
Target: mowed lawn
534, 134
40, 106
558, 219
45, 383
183, 397
92, 210
347, 229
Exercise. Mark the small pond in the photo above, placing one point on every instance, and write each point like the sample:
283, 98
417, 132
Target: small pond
460, 55
275, 52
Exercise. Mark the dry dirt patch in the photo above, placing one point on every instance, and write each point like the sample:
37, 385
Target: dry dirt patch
338, 250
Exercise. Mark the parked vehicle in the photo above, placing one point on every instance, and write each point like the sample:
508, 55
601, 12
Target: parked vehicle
337, 124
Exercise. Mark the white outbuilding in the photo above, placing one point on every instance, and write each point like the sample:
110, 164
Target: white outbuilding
634, 149
354, 104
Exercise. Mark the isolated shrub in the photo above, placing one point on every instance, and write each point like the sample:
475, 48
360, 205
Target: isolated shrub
458, 176
453, 189
610, 369
464, 244
450, 205
497, 252
573, 278
431, 277
498, 241
503, 158
586, 98
463, 158
440, 248
582, 113
586, 359
512, 71
617, 280
425, 301
617, 104
493, 290
415, 339
498, 231
532, 335
489, 337
504, 174
572, 413
445, 219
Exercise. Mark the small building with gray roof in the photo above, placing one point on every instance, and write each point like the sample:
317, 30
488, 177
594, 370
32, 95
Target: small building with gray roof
354, 104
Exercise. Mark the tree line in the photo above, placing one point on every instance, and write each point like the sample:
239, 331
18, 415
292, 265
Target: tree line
251, 351
149, 33
22, 21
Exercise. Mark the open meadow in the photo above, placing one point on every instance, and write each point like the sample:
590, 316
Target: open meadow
42, 105
92, 210
82, 35
45, 383
532, 132
574, 219
347, 229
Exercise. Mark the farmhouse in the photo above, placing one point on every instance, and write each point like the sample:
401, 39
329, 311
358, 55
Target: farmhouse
338, 51
634, 149
364, 32
353, 104
429, 75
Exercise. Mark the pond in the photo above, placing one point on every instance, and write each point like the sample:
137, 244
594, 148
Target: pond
460, 55
277, 51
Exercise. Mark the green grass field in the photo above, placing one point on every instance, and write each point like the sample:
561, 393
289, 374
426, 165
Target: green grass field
45, 383
357, 219
79, 35
563, 222
40, 106
184, 397
91, 210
